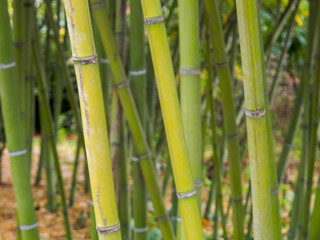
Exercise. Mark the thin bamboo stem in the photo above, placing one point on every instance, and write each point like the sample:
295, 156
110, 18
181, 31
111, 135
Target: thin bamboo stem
314, 122
230, 127
49, 123
138, 79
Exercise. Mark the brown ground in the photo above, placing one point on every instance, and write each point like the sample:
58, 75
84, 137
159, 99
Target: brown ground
50, 224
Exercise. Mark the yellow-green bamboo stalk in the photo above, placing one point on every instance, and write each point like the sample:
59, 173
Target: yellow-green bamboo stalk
10, 107
255, 114
131, 114
93, 118
190, 91
171, 113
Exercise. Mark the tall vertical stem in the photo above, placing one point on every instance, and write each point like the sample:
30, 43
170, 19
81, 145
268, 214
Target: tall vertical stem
230, 127
10, 106
251, 55
93, 118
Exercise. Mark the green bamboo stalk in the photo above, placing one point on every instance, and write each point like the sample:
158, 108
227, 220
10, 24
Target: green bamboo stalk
29, 78
49, 124
115, 144
190, 88
224, 74
308, 62
10, 106
130, 111
19, 43
257, 131
93, 118
48, 160
40, 165
314, 122
139, 89
116, 152
74, 173
216, 156
124, 187
104, 71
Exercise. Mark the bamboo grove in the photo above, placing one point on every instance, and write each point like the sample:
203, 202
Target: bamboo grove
190, 119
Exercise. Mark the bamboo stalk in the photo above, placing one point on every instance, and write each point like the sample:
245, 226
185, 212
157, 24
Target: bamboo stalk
50, 127
190, 88
251, 55
10, 106
130, 111
93, 118
124, 187
224, 74
139, 89
306, 75
172, 118
314, 122
214, 143
74, 173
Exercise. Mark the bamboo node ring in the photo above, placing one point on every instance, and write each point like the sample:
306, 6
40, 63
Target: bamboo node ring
141, 230
274, 191
195, 72
30, 78
197, 183
17, 153
289, 145
142, 156
126, 187
28, 227
7, 65
104, 60
121, 84
232, 137
222, 64
234, 200
28, 4
255, 114
18, 44
162, 219
115, 143
186, 194
108, 230
85, 60
97, 5
138, 72
177, 219
149, 21
291, 234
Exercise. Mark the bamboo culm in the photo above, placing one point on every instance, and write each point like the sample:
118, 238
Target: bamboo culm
10, 106
93, 119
